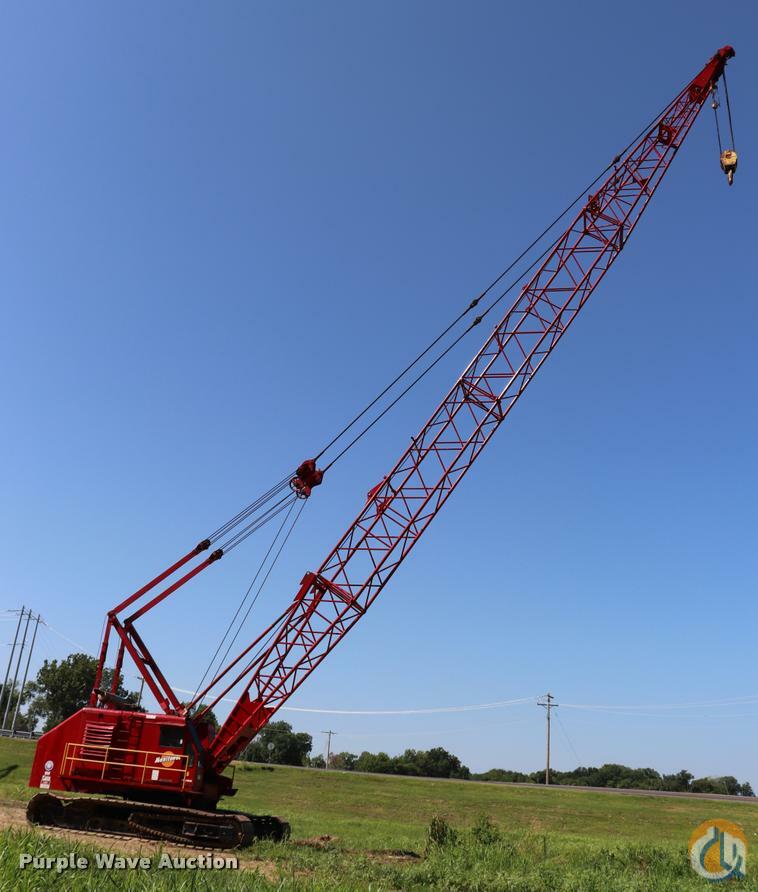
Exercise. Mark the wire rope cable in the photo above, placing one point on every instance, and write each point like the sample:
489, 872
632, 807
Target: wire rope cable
715, 107
474, 303
263, 581
249, 510
242, 602
455, 321
729, 109
258, 522
439, 358
239, 537
287, 501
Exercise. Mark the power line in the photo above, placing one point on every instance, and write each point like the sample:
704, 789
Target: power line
753, 698
618, 708
665, 715
568, 739
430, 711
728, 701
68, 640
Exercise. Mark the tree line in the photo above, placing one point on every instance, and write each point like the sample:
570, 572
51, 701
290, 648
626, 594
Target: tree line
622, 777
278, 744
62, 687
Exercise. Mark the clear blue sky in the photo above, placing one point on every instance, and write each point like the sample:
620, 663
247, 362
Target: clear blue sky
225, 226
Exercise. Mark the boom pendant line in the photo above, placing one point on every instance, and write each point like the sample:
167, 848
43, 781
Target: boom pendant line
171, 764
331, 600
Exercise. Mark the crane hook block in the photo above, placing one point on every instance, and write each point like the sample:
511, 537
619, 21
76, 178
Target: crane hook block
306, 477
729, 164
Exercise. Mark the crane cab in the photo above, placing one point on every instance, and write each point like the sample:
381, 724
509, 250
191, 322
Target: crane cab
128, 753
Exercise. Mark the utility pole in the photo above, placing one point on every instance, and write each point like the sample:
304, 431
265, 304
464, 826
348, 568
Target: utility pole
26, 673
548, 704
10, 658
328, 745
15, 674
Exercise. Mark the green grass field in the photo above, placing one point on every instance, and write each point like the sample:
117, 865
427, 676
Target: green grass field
548, 839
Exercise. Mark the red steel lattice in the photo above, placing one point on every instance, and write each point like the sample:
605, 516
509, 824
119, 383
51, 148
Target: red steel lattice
330, 601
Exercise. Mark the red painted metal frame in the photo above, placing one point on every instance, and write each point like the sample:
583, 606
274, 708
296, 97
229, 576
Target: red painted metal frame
330, 601
133, 644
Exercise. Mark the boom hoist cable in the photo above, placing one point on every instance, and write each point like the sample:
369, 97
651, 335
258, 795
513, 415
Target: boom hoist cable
365, 430
280, 497
307, 476
333, 598
310, 466
234, 620
474, 303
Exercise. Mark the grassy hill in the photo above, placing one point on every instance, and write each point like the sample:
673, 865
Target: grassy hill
549, 837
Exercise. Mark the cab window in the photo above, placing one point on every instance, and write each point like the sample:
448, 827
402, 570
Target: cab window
171, 735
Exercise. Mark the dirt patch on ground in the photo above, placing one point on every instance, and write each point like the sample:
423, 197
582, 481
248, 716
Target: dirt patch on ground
392, 856
12, 814
315, 842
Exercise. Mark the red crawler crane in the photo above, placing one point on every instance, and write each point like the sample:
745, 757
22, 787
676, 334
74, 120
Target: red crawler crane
163, 772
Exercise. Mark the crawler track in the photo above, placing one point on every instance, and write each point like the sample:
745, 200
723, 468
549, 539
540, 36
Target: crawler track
183, 826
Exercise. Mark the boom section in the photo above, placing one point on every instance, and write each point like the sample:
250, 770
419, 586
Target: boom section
398, 511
